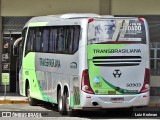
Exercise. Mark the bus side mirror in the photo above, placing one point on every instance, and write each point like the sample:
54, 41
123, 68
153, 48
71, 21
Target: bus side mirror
16, 46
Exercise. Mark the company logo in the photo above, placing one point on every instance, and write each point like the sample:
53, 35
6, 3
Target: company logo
117, 50
73, 65
117, 73
49, 62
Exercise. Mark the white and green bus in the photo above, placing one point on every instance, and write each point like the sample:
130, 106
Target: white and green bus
85, 61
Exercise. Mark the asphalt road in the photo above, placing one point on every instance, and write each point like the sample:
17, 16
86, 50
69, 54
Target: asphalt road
47, 111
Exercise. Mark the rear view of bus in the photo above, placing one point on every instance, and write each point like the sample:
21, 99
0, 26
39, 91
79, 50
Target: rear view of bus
118, 71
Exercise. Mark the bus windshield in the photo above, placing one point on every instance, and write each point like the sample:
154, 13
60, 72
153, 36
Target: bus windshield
100, 31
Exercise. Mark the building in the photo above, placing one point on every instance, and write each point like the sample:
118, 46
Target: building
15, 13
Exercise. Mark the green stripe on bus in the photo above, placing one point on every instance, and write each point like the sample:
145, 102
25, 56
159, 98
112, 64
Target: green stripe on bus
72, 101
94, 71
38, 24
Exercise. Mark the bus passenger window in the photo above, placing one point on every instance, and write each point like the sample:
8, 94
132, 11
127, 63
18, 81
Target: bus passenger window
30, 39
45, 39
52, 41
76, 38
38, 40
61, 41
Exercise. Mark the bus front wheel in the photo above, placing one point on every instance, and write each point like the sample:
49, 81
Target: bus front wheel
32, 101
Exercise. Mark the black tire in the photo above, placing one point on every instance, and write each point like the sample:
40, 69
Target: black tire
70, 110
130, 111
61, 104
55, 106
32, 101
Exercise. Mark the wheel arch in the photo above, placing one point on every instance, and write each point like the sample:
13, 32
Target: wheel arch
59, 87
66, 89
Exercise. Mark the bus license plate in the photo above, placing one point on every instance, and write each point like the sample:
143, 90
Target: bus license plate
117, 100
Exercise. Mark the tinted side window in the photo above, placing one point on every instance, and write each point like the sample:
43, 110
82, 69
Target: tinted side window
53, 40
45, 40
56, 39
68, 39
23, 37
30, 41
38, 42
61, 40
76, 38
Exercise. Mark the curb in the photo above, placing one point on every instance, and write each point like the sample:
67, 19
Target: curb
13, 101
154, 105
26, 102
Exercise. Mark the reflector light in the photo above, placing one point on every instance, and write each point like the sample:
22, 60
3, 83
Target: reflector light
88, 96
141, 19
145, 96
90, 20
85, 83
146, 83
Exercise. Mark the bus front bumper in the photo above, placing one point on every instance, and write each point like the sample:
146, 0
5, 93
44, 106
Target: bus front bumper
114, 101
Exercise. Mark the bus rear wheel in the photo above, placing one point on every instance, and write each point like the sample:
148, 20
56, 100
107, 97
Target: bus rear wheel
32, 101
61, 104
69, 109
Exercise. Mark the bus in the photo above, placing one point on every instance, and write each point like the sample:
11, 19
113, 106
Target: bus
85, 62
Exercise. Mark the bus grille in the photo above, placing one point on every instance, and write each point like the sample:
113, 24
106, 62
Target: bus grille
116, 61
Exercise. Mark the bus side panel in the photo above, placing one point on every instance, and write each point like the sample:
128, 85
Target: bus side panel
53, 70
30, 75
74, 91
